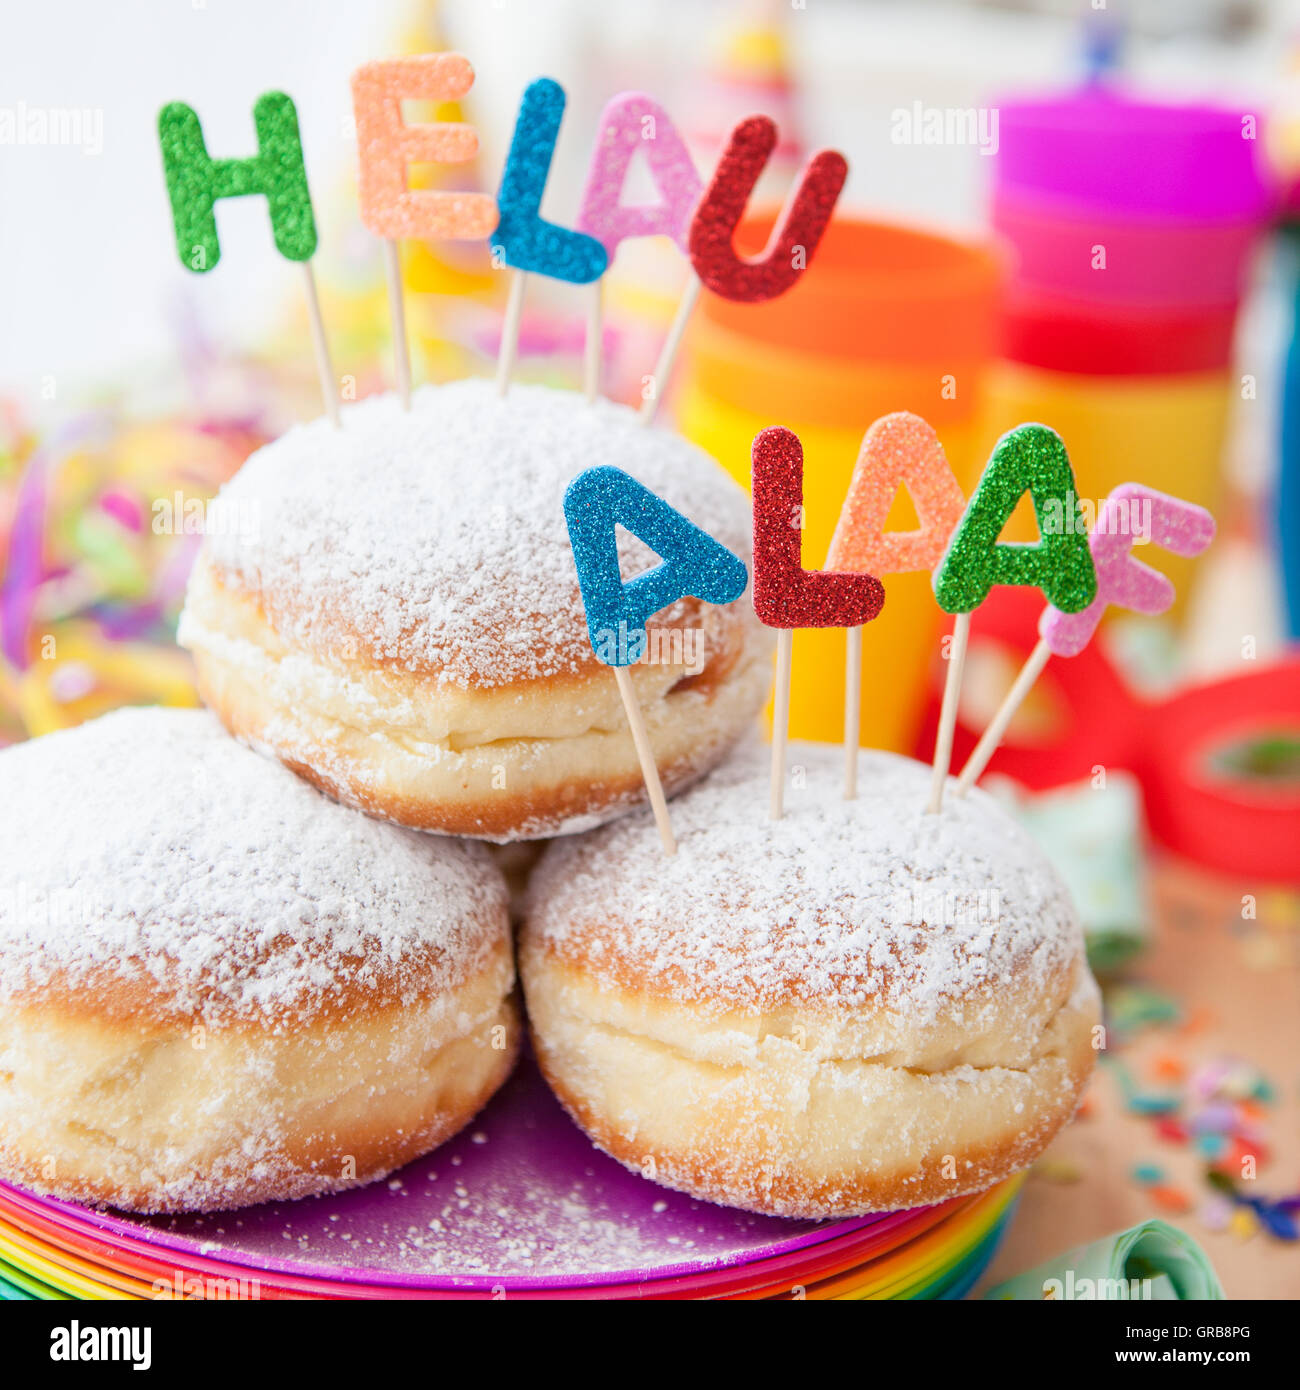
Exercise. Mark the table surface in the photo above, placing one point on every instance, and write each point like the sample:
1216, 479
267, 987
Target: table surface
1238, 981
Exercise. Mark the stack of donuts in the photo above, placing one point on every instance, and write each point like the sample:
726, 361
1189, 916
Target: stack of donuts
265, 950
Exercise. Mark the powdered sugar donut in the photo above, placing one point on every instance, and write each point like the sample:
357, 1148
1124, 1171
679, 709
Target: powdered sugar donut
217, 987
858, 1008
392, 609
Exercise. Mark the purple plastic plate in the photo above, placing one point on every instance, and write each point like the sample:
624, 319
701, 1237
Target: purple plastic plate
521, 1199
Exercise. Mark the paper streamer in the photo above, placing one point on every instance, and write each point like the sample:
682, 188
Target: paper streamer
795, 237
1132, 511
1150, 1261
387, 146
630, 122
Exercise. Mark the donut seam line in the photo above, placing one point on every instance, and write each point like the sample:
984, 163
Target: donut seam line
259, 669
617, 1032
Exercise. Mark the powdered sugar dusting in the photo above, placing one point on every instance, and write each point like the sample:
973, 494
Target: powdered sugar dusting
436, 537
520, 1194
839, 903
150, 845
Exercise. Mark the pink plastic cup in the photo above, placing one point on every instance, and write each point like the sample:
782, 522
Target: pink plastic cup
1105, 152
1104, 257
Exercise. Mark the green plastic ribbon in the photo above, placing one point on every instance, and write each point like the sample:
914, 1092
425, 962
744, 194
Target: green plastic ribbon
1091, 834
1153, 1261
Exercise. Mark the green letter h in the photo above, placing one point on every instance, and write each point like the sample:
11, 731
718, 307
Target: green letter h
195, 180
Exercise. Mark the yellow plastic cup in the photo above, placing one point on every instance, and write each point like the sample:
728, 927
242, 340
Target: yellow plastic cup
1166, 431
908, 319
900, 644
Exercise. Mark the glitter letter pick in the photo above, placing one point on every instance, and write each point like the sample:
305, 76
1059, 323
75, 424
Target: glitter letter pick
630, 122
596, 501
1133, 511
195, 181
786, 595
387, 146
899, 450
794, 238
1029, 458
789, 250
523, 239
633, 121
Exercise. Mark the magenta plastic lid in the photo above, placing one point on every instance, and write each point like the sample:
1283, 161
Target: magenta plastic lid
1109, 152
1147, 262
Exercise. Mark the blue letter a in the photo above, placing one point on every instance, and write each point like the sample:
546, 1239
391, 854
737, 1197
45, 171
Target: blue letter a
694, 563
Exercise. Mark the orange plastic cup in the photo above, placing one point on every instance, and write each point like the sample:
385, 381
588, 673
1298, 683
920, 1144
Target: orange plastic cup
886, 318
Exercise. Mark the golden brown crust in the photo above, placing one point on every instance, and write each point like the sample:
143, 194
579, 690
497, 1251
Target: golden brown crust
483, 812
791, 1193
165, 1118
125, 992
515, 761
812, 1113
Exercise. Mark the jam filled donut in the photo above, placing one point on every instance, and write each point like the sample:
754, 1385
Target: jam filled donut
858, 1008
217, 987
392, 609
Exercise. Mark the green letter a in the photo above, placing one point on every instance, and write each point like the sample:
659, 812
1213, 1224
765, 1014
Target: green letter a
1033, 458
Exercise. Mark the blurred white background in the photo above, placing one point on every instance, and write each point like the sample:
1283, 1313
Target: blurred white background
90, 278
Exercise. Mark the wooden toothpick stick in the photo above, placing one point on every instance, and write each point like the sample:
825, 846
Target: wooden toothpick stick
594, 343
1011, 702
320, 345
781, 719
852, 709
645, 755
510, 332
397, 313
668, 353
948, 711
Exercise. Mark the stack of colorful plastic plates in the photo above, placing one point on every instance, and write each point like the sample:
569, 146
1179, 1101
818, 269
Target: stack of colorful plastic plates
520, 1205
